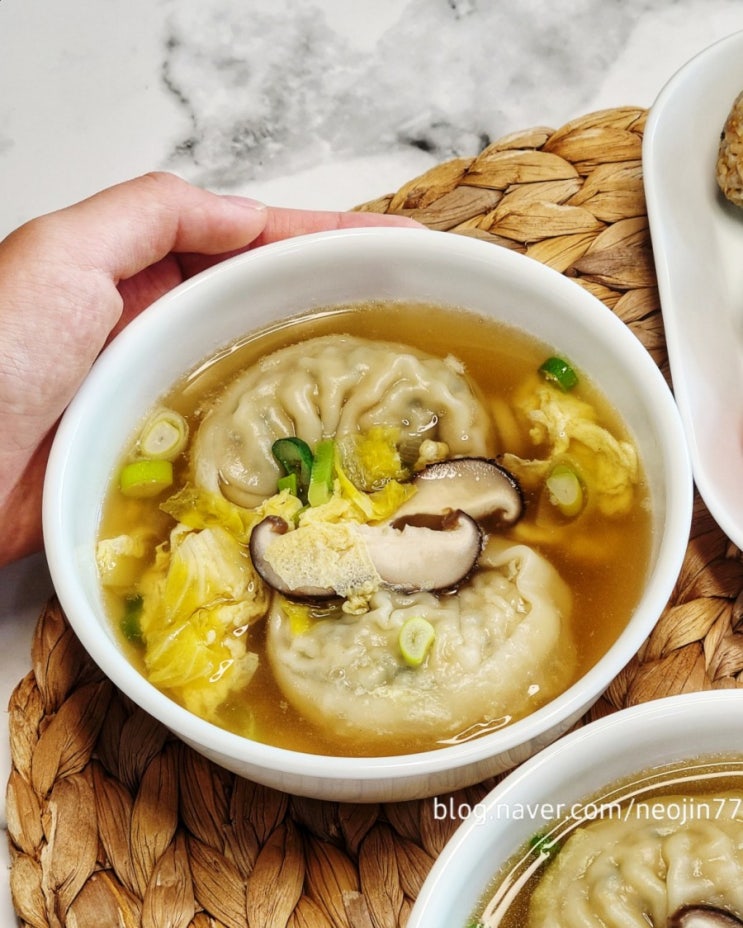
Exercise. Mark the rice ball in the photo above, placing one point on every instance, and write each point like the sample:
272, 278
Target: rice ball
730, 155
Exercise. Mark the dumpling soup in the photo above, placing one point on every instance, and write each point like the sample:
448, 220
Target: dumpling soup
375, 530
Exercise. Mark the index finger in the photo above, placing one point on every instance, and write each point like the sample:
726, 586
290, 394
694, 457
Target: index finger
132, 225
283, 223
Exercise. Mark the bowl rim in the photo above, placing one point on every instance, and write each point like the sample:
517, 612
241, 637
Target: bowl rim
189, 727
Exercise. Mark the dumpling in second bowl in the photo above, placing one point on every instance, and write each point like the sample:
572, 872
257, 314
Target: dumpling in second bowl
644, 861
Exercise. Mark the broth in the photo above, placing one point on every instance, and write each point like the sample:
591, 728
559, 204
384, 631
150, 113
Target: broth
704, 790
603, 560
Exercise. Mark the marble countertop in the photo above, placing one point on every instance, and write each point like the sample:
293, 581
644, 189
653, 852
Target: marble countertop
315, 104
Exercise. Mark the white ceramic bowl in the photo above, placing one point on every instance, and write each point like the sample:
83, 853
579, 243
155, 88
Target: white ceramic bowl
569, 772
271, 282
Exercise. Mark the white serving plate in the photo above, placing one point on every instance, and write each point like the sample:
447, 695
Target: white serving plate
698, 245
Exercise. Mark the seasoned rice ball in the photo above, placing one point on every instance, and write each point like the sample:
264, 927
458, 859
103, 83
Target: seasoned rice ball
730, 155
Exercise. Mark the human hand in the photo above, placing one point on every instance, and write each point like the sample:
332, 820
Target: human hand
71, 280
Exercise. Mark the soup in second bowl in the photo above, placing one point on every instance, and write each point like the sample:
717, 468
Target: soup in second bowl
375, 530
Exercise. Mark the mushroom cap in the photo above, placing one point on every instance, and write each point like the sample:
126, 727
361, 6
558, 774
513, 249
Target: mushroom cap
478, 486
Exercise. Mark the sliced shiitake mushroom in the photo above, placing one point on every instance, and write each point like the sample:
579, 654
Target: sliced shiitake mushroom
478, 486
423, 551
432, 542
418, 553
703, 916
260, 539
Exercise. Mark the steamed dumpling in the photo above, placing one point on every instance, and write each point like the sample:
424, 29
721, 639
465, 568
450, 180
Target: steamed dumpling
501, 650
325, 387
635, 869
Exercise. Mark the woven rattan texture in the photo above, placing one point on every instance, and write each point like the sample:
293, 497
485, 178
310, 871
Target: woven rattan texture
114, 823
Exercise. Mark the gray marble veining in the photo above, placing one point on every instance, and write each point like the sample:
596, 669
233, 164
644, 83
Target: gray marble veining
274, 87
310, 102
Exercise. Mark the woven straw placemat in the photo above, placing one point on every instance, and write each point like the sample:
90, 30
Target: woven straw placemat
112, 822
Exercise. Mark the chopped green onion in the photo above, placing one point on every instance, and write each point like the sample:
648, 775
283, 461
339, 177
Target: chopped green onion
321, 476
295, 457
288, 482
542, 845
130, 621
164, 435
416, 637
145, 478
565, 490
559, 372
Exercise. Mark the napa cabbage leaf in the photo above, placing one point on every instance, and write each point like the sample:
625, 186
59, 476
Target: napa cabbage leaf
565, 426
199, 598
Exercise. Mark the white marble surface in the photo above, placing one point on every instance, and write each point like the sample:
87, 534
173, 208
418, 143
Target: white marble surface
310, 103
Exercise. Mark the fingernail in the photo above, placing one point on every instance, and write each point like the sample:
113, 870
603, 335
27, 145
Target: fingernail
404, 221
245, 202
